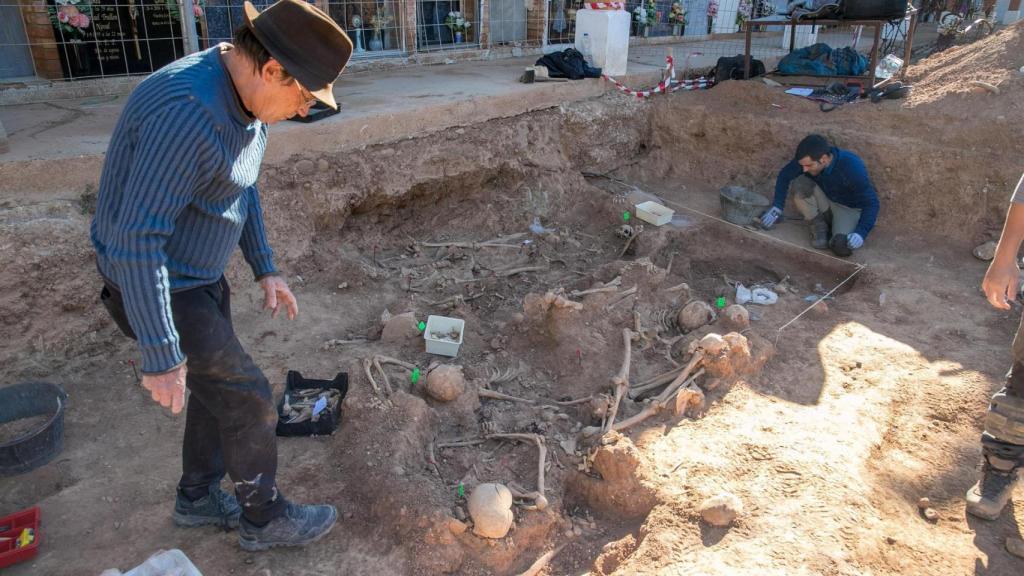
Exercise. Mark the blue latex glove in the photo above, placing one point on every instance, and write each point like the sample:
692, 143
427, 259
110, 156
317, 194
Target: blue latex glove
769, 218
854, 241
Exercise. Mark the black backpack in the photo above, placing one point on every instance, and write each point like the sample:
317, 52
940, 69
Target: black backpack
568, 63
731, 68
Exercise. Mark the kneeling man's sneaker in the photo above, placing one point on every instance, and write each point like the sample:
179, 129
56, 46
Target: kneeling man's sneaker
216, 508
987, 498
298, 526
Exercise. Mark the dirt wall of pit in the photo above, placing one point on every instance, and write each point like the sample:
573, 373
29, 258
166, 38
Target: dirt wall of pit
946, 172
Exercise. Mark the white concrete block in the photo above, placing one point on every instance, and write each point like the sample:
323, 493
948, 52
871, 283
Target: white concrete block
805, 36
608, 31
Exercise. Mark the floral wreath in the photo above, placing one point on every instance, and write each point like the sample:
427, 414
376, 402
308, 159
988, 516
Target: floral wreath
71, 17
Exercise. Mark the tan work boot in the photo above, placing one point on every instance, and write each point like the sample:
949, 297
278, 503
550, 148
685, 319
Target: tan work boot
820, 230
987, 498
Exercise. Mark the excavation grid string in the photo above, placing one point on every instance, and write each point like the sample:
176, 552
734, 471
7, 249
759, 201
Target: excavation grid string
858, 267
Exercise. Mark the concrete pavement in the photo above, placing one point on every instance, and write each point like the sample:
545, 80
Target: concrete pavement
58, 146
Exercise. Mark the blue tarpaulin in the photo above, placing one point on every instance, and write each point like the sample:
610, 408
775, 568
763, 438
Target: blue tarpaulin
822, 60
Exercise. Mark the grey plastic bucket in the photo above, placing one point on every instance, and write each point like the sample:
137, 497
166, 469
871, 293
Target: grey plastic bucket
741, 206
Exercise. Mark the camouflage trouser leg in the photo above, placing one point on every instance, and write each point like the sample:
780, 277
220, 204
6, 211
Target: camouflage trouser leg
1004, 423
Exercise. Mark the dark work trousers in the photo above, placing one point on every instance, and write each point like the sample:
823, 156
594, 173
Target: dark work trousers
1014, 386
230, 419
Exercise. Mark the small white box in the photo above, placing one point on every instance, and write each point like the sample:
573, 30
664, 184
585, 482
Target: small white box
654, 213
437, 334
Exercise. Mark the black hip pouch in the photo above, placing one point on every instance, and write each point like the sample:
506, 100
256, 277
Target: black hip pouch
114, 304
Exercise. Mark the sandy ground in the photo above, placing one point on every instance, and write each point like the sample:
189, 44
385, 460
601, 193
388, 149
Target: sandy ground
862, 410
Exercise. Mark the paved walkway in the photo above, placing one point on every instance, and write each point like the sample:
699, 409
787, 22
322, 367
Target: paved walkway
50, 141
58, 145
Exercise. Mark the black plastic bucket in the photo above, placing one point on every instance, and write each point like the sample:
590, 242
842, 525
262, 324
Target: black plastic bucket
39, 445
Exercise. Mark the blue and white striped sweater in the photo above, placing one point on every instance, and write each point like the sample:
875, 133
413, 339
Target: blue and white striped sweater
177, 194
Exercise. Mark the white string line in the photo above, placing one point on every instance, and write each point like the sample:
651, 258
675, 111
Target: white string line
858, 266
737, 226
818, 301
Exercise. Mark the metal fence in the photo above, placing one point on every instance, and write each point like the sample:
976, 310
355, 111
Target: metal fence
75, 39
698, 51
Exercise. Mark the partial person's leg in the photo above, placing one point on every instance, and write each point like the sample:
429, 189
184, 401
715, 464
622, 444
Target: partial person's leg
814, 206
844, 222
844, 219
806, 194
1002, 441
200, 500
201, 454
223, 379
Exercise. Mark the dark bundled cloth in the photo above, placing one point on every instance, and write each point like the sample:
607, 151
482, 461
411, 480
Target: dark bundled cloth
568, 63
822, 60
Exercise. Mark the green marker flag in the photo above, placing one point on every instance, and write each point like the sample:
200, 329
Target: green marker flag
462, 490
720, 302
422, 326
626, 215
415, 376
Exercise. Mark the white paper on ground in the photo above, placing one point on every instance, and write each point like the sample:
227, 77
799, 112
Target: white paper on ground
805, 92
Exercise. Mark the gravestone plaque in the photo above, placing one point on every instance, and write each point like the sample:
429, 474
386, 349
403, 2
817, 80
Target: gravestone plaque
116, 37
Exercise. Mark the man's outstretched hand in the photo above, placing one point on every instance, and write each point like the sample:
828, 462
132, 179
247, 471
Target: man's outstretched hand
1002, 281
168, 388
275, 294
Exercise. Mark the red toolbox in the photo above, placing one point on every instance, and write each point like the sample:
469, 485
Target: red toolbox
11, 528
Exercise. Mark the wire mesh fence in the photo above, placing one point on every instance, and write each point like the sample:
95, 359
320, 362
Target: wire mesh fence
78, 39
73, 39
723, 33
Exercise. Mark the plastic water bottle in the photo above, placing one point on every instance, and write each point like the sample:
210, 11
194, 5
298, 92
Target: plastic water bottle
585, 49
888, 66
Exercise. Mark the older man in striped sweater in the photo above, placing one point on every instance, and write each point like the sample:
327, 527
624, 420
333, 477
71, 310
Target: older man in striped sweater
177, 194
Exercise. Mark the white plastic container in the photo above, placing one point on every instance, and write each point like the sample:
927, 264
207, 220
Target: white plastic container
443, 346
166, 562
888, 66
654, 213
608, 31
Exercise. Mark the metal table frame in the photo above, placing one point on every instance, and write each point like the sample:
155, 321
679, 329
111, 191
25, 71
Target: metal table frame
793, 23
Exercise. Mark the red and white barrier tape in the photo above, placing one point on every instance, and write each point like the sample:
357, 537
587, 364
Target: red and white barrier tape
606, 5
667, 84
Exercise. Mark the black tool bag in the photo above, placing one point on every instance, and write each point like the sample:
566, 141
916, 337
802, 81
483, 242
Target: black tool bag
874, 9
731, 68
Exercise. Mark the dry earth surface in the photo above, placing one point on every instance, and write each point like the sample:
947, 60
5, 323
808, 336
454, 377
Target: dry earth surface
864, 406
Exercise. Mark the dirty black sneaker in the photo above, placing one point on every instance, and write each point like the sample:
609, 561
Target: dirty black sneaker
820, 230
216, 508
840, 245
298, 526
987, 498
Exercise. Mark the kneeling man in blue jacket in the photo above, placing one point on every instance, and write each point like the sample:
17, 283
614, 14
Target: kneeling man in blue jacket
836, 195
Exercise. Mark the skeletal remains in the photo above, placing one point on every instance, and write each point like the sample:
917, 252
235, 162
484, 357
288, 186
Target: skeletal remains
717, 356
299, 404
377, 362
536, 498
452, 335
